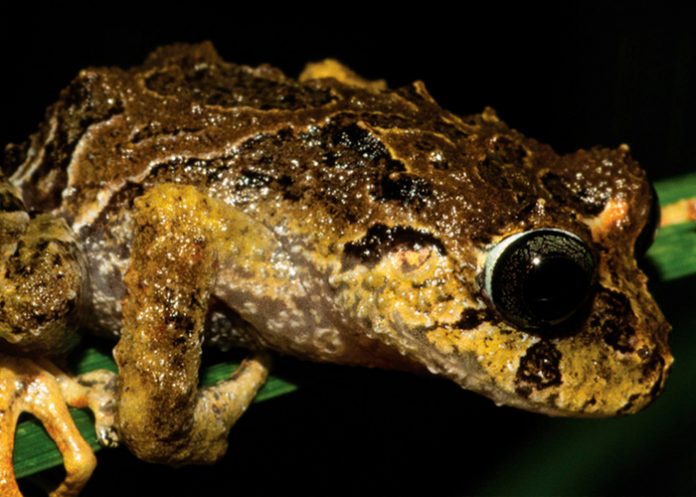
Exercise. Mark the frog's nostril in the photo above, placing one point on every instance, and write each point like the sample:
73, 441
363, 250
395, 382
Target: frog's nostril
540, 278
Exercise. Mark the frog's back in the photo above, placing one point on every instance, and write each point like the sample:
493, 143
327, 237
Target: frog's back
185, 115
312, 153
338, 155
345, 149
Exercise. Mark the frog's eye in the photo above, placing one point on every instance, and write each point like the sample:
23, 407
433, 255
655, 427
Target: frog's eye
539, 278
647, 235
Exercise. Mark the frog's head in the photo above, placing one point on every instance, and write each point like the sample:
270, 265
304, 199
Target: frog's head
524, 289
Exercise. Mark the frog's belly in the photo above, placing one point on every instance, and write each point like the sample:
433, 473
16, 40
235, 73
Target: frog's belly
298, 323
107, 261
290, 316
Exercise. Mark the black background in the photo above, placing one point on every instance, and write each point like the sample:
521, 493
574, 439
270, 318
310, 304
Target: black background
572, 77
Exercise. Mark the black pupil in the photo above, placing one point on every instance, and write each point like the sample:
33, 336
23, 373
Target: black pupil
554, 287
541, 279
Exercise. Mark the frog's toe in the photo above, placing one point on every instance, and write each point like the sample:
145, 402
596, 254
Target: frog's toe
95, 390
682, 211
27, 387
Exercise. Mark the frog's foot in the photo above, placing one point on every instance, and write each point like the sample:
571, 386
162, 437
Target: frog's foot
181, 239
216, 410
96, 391
219, 407
25, 386
679, 212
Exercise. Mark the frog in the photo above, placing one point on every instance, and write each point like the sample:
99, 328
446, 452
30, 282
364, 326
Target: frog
191, 202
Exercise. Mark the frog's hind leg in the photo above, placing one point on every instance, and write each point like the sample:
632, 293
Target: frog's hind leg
27, 387
180, 239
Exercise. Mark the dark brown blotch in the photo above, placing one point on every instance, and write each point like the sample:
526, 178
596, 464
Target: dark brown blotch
359, 140
284, 184
617, 336
380, 239
581, 197
252, 179
405, 189
615, 321
539, 368
472, 318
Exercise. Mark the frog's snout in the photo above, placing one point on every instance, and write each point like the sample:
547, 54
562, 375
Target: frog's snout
617, 365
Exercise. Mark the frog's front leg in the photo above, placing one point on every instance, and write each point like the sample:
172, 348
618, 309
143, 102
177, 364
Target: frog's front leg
41, 291
181, 238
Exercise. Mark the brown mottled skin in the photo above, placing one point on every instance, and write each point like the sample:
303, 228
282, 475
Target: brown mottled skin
328, 218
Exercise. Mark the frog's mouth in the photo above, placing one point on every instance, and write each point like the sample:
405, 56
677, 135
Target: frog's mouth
617, 363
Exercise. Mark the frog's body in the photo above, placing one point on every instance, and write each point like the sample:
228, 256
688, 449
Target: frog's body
331, 219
